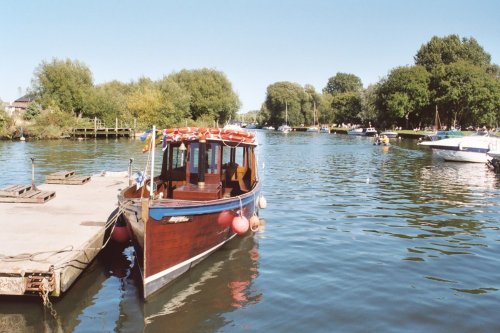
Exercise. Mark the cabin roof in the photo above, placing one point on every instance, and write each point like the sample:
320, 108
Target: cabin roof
186, 134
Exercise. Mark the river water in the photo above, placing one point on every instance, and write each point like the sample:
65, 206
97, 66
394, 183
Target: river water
358, 238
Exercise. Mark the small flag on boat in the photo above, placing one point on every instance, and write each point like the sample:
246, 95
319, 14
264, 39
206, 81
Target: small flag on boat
145, 135
139, 179
158, 139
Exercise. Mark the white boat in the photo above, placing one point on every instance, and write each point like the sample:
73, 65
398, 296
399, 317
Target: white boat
494, 153
362, 131
324, 129
285, 128
389, 134
269, 128
473, 148
233, 126
312, 129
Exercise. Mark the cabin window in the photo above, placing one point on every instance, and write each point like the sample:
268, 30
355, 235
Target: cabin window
239, 157
211, 163
234, 155
178, 157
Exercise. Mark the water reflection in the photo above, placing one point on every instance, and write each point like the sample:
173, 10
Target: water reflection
218, 285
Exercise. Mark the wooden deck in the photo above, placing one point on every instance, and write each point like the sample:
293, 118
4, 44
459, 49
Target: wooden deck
25, 194
103, 132
57, 240
66, 177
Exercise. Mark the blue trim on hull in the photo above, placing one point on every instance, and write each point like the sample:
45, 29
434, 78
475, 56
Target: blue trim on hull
465, 149
158, 213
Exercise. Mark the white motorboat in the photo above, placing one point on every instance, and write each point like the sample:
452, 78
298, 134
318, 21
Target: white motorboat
494, 153
473, 148
312, 129
324, 129
362, 131
284, 128
389, 134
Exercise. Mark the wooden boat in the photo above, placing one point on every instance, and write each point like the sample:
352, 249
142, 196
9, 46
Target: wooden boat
207, 191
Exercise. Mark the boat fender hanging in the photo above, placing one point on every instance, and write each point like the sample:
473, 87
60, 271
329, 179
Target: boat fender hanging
225, 218
262, 202
240, 225
120, 232
460, 147
254, 223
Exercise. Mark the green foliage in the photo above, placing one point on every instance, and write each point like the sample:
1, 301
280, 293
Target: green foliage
210, 93
326, 113
285, 96
369, 112
6, 125
447, 50
343, 83
32, 111
52, 124
403, 94
467, 94
65, 84
162, 104
347, 107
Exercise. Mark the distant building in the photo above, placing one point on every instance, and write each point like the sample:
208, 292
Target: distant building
21, 104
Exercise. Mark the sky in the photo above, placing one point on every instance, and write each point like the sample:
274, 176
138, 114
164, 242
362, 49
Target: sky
255, 43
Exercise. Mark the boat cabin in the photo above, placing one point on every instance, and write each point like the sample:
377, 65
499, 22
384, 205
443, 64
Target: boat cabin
207, 170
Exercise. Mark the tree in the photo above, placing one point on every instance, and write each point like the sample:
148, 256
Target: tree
404, 94
63, 83
447, 50
284, 96
210, 93
176, 102
325, 110
145, 103
342, 83
369, 112
108, 102
163, 103
32, 111
347, 107
311, 101
466, 94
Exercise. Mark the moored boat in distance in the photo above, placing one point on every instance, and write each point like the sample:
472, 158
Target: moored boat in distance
362, 131
324, 129
440, 135
312, 129
206, 193
389, 134
473, 148
284, 128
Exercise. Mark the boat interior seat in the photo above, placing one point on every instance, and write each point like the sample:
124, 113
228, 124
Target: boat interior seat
242, 176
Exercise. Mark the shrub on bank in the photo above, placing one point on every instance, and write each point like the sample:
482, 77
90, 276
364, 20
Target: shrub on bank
7, 128
52, 124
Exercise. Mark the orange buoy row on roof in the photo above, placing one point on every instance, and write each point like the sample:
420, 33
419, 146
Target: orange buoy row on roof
194, 133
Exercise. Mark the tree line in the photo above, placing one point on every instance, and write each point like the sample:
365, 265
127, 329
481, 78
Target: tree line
451, 74
64, 92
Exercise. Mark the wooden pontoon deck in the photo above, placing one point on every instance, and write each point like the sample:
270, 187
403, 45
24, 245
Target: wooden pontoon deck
55, 240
